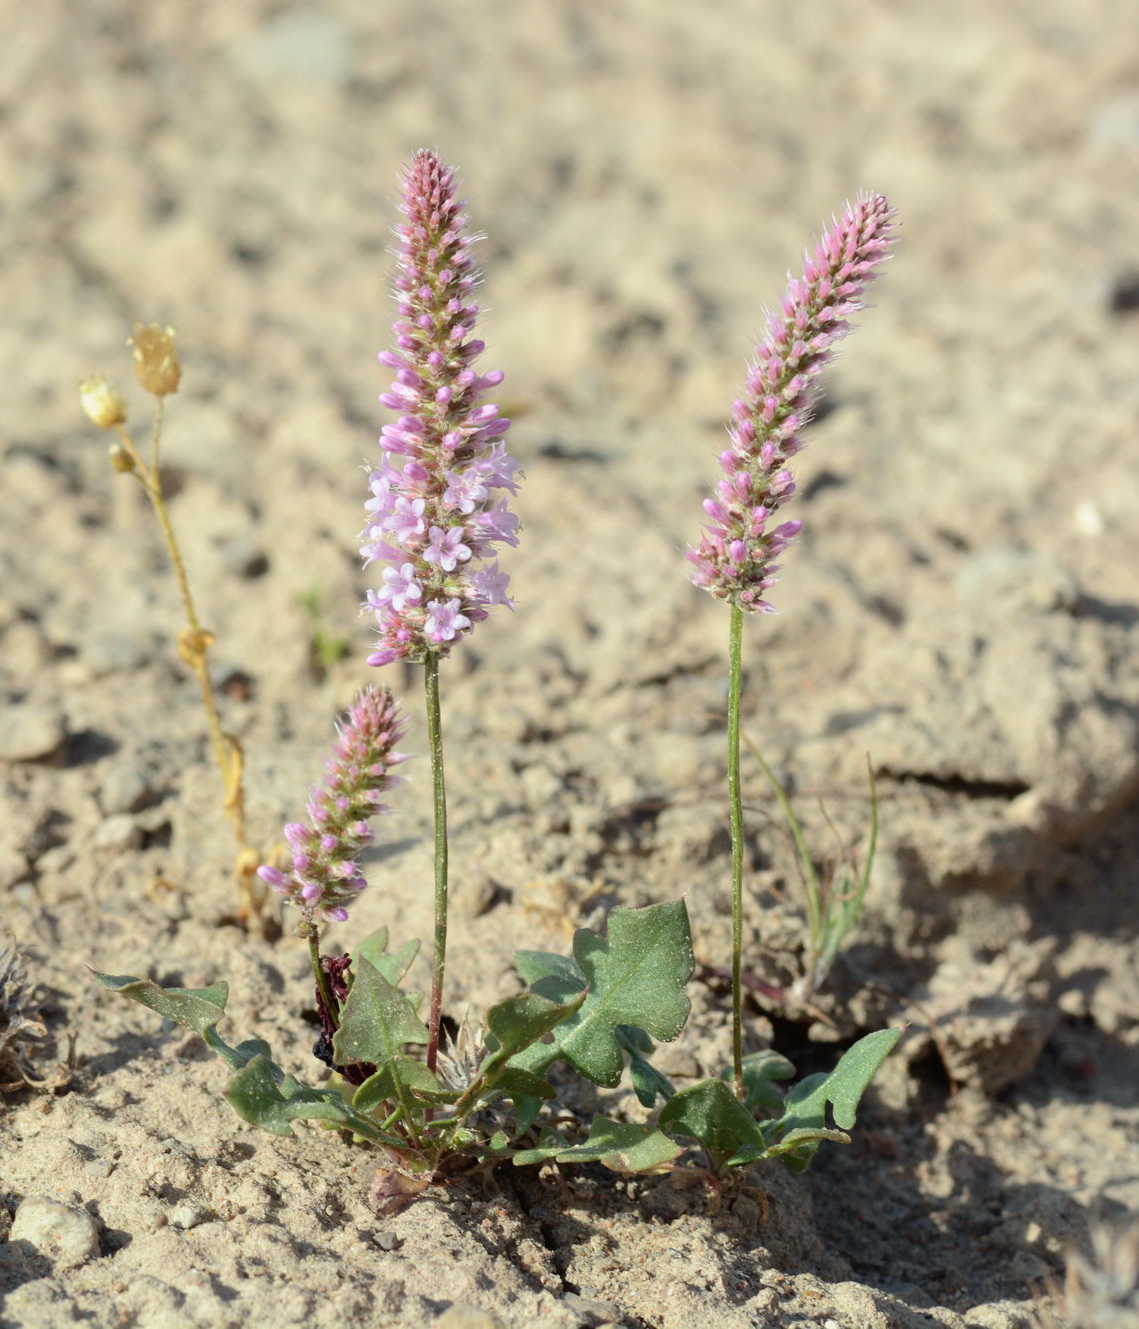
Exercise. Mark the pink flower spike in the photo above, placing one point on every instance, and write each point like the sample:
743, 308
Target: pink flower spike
434, 518
735, 557
320, 874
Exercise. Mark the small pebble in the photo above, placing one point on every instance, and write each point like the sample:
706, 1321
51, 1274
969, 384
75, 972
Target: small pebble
1026, 580
125, 787
13, 860
186, 1217
114, 653
303, 43
1124, 297
388, 1241
459, 1315
244, 558
118, 833
479, 897
31, 731
1088, 518
99, 1167
69, 1237
601, 1312
1116, 123
55, 860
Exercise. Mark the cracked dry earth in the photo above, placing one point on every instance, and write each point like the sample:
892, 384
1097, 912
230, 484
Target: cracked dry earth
962, 608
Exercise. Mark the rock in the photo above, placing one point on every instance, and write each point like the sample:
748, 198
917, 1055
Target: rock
304, 44
13, 860
1116, 123
598, 1312
1123, 297
1002, 1315
459, 1315
31, 731
244, 558
187, 1216
117, 833
1015, 576
114, 653
992, 1018
69, 1237
126, 786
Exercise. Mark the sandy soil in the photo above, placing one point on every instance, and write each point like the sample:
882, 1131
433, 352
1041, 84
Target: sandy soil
962, 607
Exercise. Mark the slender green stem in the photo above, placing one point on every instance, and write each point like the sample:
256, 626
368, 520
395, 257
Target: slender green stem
435, 742
320, 978
735, 798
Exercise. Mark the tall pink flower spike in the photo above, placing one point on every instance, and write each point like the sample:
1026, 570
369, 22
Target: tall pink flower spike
735, 559
437, 515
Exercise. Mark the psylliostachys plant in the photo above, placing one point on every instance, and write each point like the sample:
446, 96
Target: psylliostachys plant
735, 559
437, 515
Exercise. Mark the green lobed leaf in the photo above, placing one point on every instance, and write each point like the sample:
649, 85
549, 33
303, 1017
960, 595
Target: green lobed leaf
636, 975
271, 1100
376, 1021
526, 1109
537, 965
804, 1121
711, 1113
621, 1146
519, 1021
239, 1056
385, 1085
375, 943
843, 1087
196, 1009
514, 1083
760, 1069
550, 1144
649, 1084
798, 1147
374, 949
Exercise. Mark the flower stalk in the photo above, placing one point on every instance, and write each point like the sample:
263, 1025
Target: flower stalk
736, 807
439, 802
735, 559
437, 514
